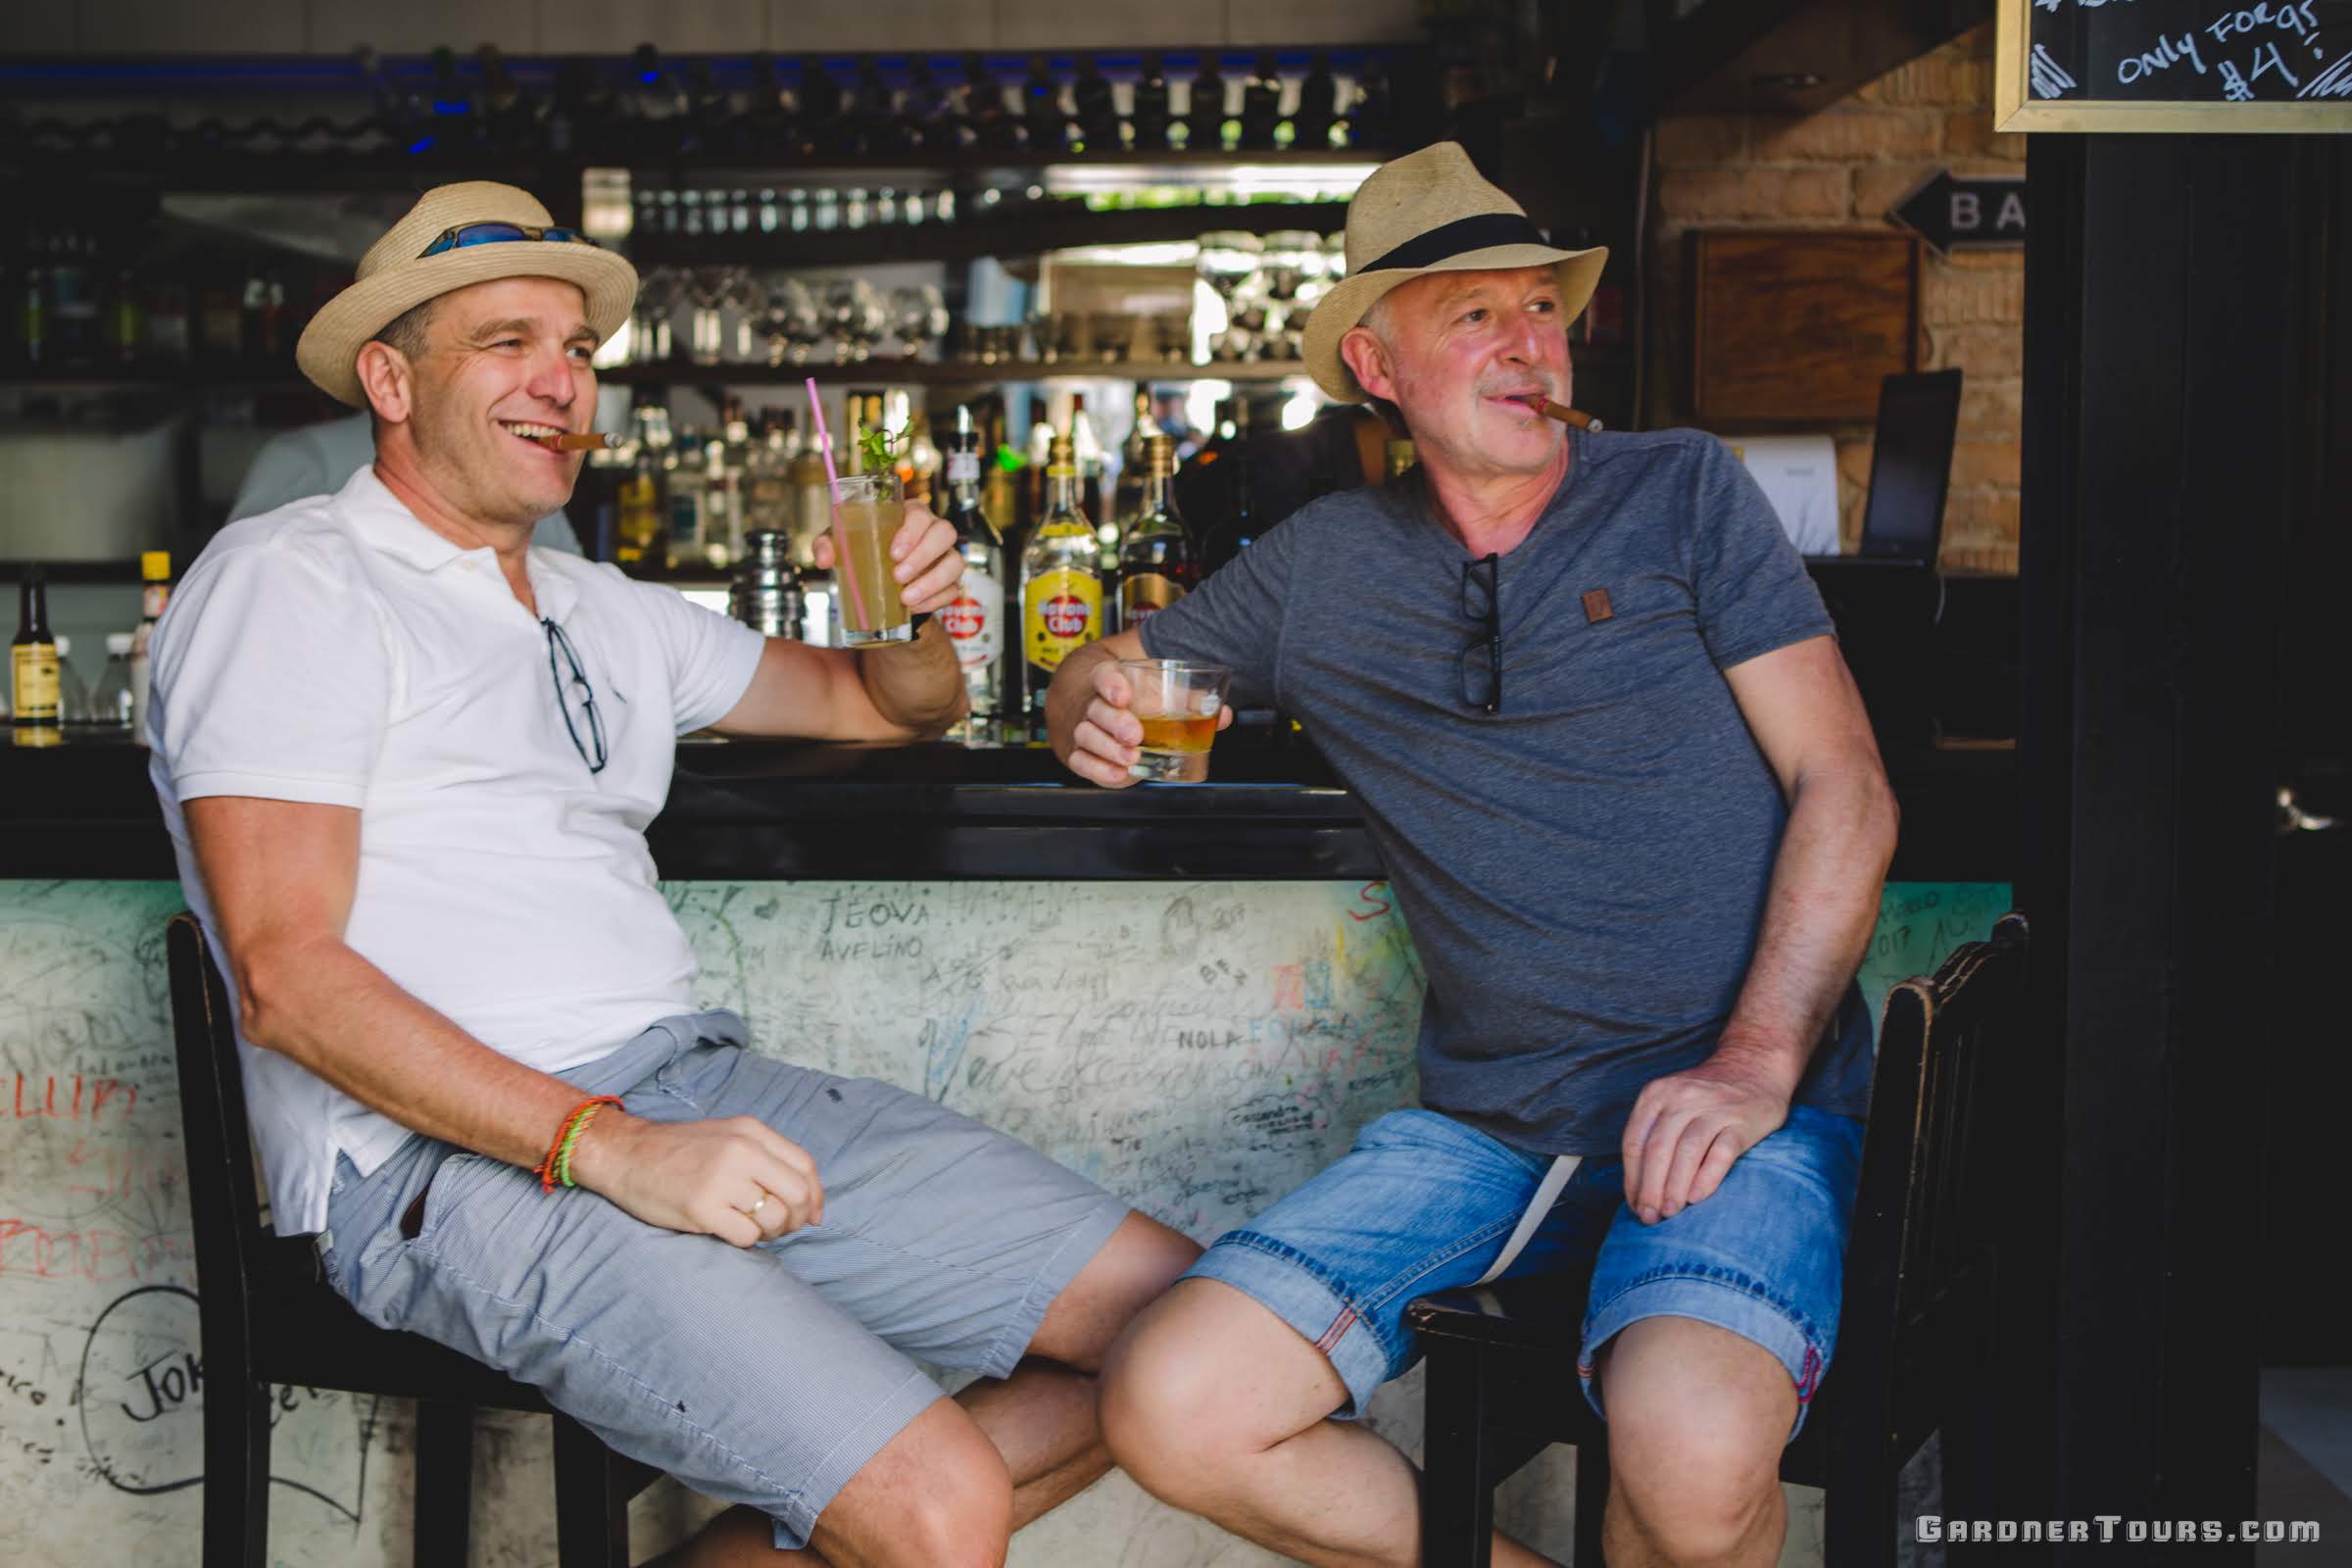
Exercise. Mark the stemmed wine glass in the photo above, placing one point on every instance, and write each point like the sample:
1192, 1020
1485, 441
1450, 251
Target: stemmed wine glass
1229, 263
858, 318
918, 315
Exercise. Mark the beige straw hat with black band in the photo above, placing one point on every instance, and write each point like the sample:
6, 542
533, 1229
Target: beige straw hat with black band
396, 275
1431, 211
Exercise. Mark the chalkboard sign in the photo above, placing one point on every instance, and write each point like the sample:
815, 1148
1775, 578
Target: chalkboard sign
2174, 65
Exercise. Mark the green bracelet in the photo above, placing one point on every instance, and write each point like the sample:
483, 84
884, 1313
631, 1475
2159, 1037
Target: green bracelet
571, 1136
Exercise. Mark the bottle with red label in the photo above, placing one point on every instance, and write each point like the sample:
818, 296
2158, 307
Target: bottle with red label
975, 621
1062, 582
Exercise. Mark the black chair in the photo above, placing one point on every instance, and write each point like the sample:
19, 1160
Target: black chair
1911, 1341
267, 1316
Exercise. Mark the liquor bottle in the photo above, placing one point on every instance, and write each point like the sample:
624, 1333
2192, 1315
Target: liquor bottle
928, 118
1204, 114
1318, 105
821, 126
975, 620
682, 486
768, 503
456, 127
1262, 104
1127, 497
34, 697
1097, 109
1372, 117
32, 321
983, 107
1401, 457
569, 127
638, 528
1157, 565
1151, 105
510, 116
659, 104
155, 592
1087, 447
1041, 109
722, 505
1062, 583
766, 130
1238, 526
878, 112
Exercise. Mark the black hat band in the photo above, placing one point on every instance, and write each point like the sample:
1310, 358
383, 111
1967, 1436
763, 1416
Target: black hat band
1486, 230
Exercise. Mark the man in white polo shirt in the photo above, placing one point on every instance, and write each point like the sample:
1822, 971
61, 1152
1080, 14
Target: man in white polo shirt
408, 762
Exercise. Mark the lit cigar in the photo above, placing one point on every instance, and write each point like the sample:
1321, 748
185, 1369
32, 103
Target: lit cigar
579, 441
1568, 415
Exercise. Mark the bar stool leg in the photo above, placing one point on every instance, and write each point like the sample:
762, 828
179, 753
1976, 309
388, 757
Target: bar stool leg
236, 1473
592, 1515
444, 1481
1457, 1486
1592, 1501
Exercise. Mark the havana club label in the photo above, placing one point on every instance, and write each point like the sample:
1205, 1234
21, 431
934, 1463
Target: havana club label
1060, 612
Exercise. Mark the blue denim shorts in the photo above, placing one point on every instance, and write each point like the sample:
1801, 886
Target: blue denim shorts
766, 1375
1424, 1204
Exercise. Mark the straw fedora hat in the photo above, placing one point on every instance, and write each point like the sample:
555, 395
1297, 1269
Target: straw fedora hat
1431, 211
396, 277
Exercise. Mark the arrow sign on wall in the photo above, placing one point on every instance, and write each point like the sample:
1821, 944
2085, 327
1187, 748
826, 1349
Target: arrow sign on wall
1965, 212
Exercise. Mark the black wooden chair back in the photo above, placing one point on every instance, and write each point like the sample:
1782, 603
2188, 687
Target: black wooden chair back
1918, 1292
266, 1316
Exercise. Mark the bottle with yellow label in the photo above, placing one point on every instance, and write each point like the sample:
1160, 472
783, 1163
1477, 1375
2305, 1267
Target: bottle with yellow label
34, 695
1062, 582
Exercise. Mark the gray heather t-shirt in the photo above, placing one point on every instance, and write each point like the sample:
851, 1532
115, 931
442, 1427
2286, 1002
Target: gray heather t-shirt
1584, 872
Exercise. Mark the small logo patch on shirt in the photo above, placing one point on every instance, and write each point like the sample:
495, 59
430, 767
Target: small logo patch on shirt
1596, 607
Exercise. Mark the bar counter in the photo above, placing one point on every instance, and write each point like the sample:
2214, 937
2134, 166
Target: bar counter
794, 811
1193, 994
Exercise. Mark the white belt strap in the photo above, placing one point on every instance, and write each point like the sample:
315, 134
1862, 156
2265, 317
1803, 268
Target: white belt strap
1547, 1193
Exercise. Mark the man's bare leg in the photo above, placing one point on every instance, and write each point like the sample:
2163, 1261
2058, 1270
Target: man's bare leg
1217, 1406
1040, 1426
1697, 1418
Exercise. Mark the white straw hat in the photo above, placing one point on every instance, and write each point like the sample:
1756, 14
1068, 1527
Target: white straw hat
396, 275
1431, 211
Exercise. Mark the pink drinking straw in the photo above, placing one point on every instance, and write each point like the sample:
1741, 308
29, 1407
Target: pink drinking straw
841, 536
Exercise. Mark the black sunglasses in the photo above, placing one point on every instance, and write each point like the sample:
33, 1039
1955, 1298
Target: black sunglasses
1488, 650
487, 233
567, 700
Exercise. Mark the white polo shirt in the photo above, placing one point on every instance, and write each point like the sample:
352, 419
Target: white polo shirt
337, 651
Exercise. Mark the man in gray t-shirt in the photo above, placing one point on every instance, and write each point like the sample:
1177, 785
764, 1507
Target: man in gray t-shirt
1600, 728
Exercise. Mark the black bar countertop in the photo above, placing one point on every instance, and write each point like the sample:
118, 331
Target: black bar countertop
784, 809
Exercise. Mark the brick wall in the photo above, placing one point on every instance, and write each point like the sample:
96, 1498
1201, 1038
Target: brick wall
1845, 168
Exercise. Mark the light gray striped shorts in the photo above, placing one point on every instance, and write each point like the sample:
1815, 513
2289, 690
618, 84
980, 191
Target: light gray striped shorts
766, 1376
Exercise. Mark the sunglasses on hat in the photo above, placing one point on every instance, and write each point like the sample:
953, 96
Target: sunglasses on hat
494, 234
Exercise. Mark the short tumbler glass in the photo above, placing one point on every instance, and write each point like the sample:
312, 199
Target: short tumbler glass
1178, 701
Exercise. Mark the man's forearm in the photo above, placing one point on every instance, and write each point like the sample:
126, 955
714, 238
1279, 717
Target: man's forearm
1818, 918
917, 686
334, 1012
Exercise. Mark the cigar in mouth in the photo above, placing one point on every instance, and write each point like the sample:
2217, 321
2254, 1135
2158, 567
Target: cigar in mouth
1567, 415
579, 441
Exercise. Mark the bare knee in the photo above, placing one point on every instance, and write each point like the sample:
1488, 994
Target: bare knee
1204, 1382
1698, 1420
1133, 1269
938, 1496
